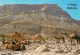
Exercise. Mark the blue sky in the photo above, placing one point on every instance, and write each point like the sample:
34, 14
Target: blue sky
75, 13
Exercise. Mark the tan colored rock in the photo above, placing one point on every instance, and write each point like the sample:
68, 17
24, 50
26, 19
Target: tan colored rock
78, 51
42, 48
59, 51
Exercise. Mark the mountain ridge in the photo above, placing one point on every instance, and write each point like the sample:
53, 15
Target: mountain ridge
44, 19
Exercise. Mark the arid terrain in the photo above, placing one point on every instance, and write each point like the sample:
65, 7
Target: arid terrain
48, 20
53, 49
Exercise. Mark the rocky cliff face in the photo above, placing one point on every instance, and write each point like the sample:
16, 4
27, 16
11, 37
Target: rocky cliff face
44, 19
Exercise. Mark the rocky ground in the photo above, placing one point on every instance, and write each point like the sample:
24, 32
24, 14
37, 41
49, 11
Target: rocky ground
51, 48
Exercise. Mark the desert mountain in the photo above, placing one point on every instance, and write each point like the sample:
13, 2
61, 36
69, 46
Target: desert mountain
44, 19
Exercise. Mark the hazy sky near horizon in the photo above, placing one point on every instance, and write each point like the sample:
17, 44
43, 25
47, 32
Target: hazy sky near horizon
75, 13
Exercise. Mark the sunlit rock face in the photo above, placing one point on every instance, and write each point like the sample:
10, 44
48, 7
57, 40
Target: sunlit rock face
44, 19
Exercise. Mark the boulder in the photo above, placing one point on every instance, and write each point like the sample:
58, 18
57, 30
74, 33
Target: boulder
42, 48
59, 51
78, 51
74, 44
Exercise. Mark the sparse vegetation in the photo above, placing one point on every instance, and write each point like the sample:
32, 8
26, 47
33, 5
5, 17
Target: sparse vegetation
50, 38
26, 38
2, 36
